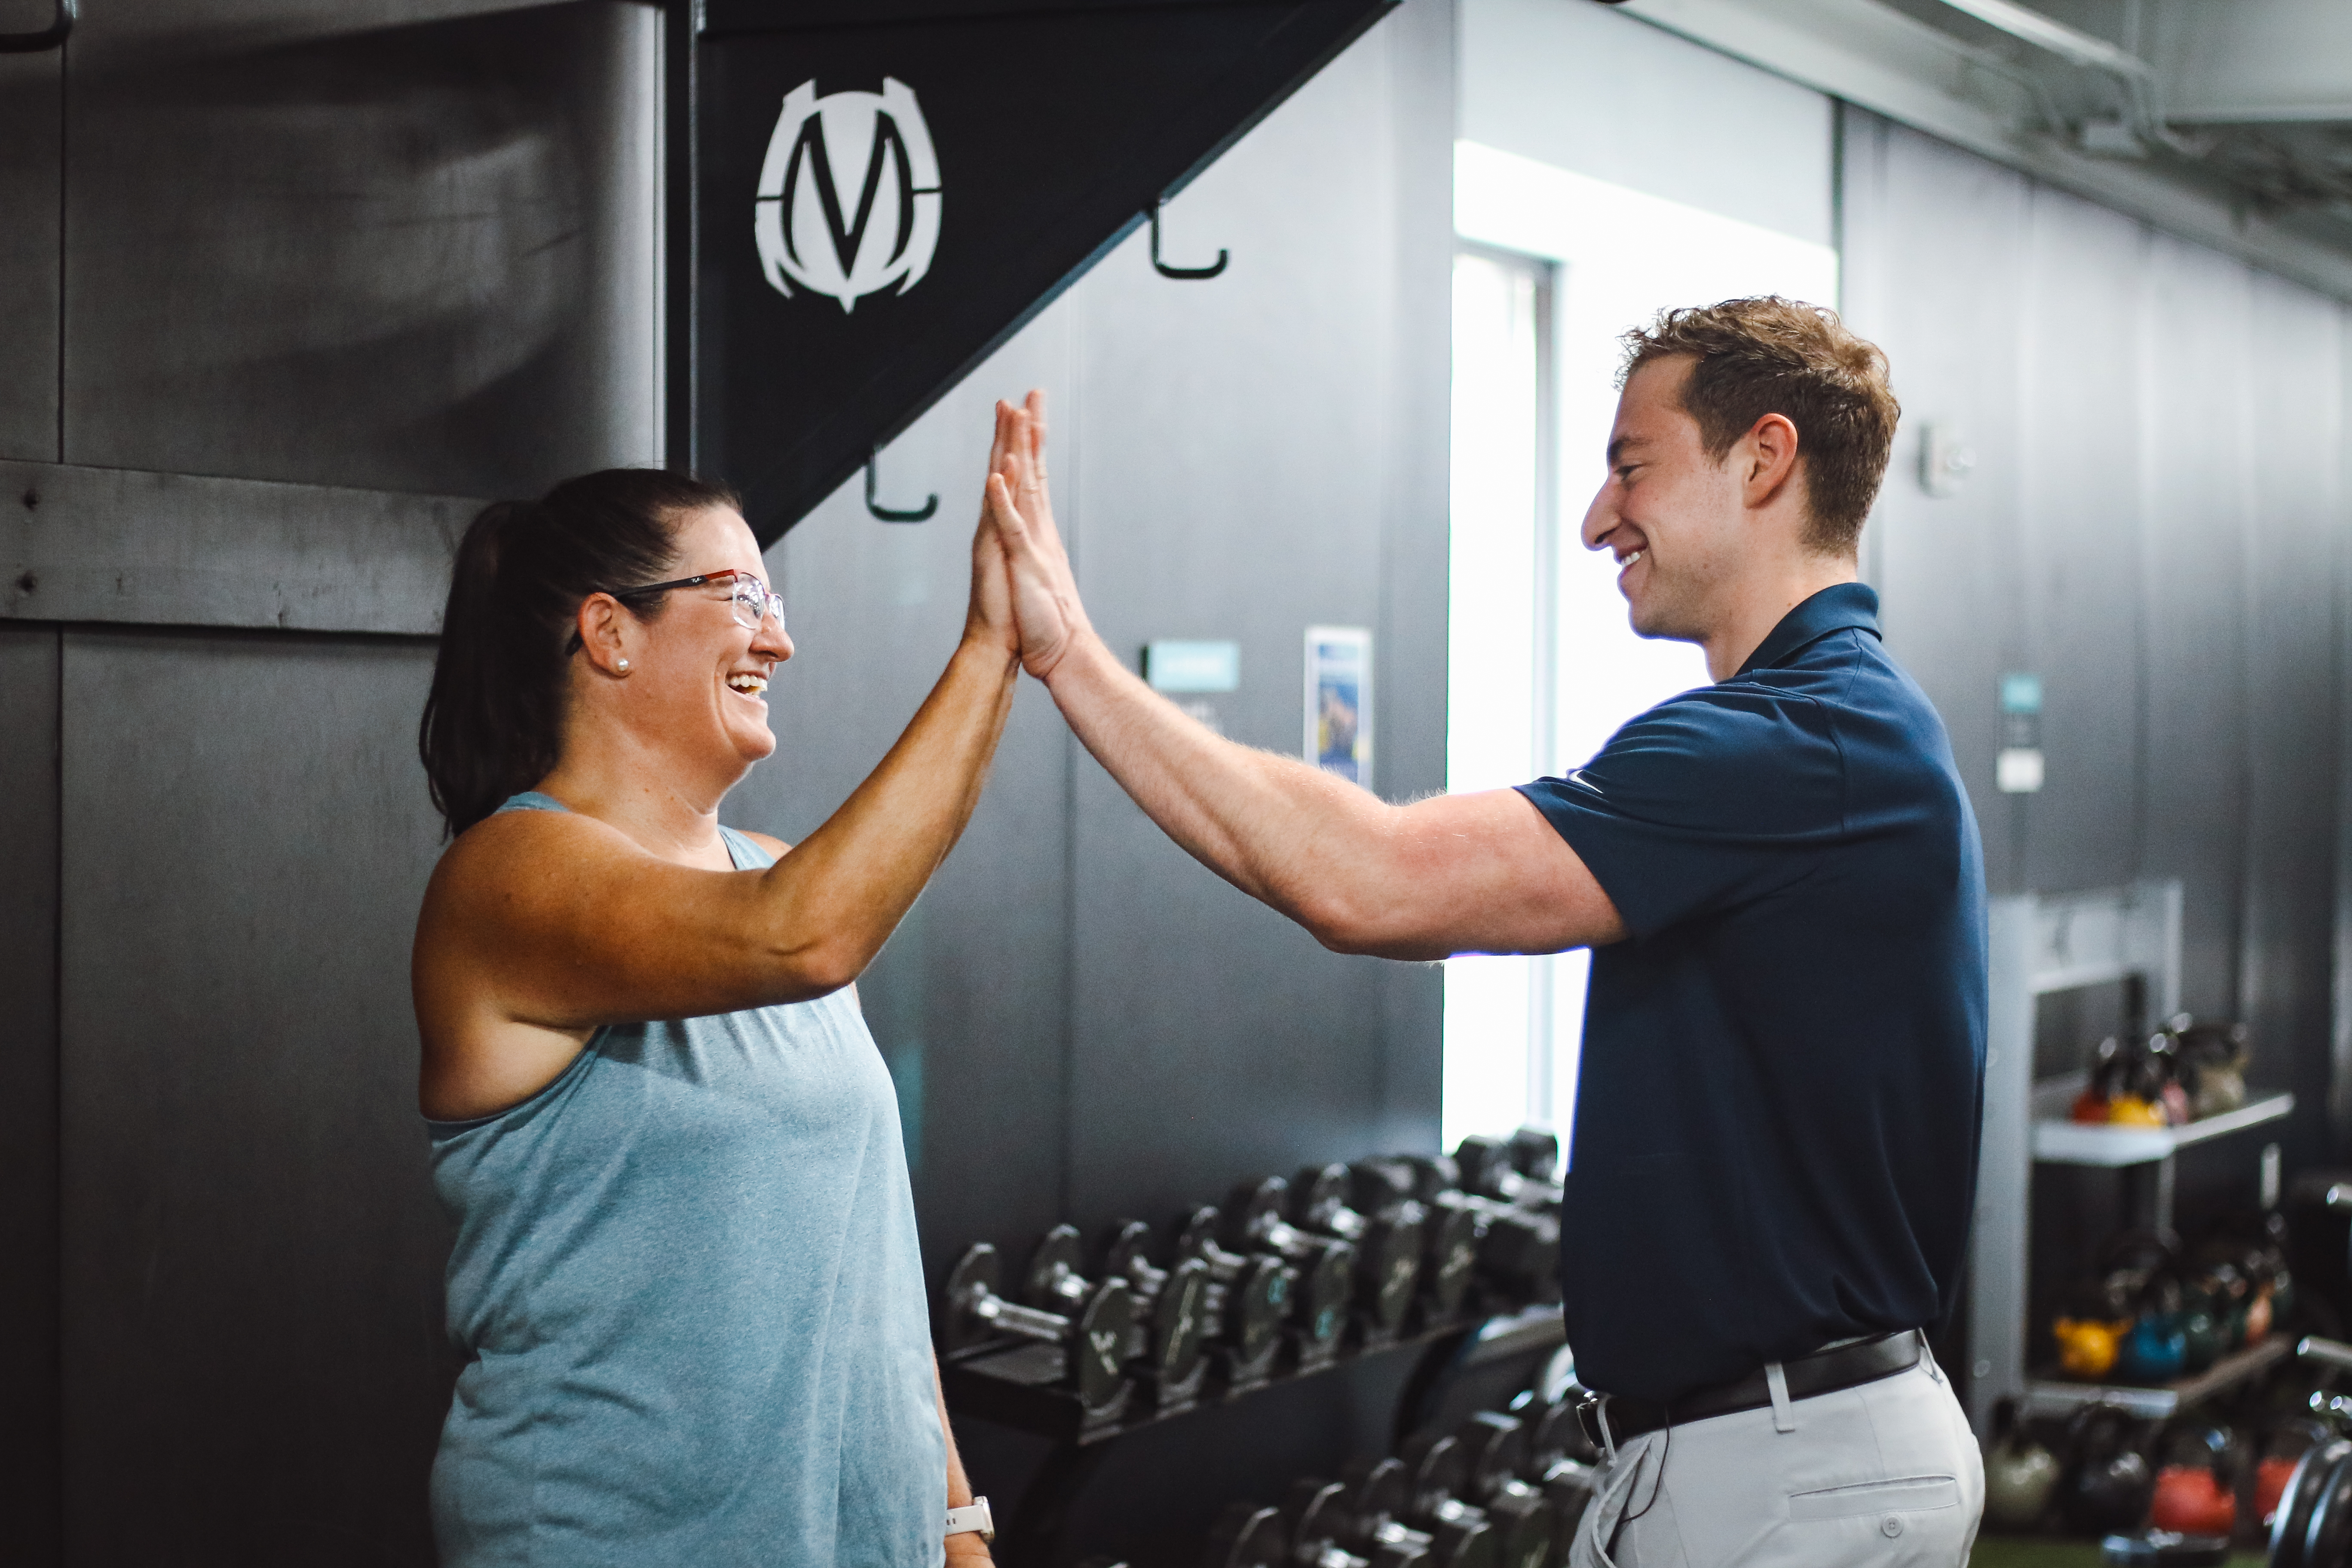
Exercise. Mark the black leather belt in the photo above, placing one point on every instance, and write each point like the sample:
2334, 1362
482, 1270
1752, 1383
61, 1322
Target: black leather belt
1823, 1372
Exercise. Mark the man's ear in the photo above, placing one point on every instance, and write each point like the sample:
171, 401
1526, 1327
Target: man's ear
1769, 459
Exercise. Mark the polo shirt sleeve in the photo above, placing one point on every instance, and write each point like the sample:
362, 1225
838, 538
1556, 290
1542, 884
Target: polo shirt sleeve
1711, 800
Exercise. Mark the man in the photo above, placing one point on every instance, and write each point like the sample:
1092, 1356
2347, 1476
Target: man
1774, 1153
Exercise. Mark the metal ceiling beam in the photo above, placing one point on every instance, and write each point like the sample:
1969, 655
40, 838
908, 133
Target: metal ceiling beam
1874, 57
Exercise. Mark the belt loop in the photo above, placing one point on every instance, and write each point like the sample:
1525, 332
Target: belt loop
1608, 1439
1928, 1355
1777, 1379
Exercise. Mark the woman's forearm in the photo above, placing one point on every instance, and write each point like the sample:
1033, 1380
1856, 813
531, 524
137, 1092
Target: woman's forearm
836, 898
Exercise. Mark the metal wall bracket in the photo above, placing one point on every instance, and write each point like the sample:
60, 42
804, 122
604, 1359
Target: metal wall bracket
892, 514
61, 24
1191, 273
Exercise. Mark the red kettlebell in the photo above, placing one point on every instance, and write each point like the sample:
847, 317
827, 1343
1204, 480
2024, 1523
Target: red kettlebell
2190, 1502
2270, 1485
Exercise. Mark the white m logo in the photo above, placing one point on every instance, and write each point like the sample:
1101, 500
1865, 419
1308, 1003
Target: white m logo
807, 234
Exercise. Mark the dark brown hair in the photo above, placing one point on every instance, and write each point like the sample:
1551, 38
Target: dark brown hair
1770, 356
494, 721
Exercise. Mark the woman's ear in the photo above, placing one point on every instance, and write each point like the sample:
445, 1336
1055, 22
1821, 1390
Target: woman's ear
606, 630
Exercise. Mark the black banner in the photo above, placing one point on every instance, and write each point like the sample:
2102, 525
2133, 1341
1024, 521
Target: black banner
877, 205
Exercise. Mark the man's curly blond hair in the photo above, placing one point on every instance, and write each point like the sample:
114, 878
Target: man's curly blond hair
1770, 356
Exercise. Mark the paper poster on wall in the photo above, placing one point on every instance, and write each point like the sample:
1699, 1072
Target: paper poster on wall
1339, 701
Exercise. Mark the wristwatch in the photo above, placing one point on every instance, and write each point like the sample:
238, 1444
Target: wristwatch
973, 1520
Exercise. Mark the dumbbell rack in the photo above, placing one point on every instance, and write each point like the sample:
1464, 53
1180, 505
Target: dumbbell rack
2042, 944
1015, 1387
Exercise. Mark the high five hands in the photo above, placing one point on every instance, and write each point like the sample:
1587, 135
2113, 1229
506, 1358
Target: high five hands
1034, 589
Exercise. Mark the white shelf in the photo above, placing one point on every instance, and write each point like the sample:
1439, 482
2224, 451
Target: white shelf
2048, 1396
2091, 1143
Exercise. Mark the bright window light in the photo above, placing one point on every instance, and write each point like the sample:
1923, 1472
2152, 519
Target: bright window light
1615, 256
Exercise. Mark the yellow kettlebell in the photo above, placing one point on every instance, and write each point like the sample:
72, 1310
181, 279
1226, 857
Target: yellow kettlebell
2087, 1346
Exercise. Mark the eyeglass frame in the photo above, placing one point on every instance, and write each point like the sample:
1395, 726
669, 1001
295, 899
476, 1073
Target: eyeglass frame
771, 602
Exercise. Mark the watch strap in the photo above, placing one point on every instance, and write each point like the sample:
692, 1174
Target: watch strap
973, 1518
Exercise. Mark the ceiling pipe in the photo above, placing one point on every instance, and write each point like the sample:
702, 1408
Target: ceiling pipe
2136, 77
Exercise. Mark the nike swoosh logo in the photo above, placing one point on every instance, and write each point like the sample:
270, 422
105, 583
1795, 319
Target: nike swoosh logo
1577, 777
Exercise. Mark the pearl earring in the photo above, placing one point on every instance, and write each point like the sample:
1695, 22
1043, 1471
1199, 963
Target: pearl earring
624, 667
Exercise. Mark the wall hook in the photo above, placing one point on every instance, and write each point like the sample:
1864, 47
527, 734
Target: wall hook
61, 22
1187, 272
892, 514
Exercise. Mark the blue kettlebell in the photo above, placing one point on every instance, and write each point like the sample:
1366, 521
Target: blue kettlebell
2156, 1351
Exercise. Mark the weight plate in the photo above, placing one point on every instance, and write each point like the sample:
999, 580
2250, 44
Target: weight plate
1376, 1186
1451, 1256
1055, 1282
1377, 1493
1179, 1321
1255, 1209
1330, 1279
1535, 1154
1463, 1543
1097, 1360
1130, 1244
1247, 1536
1522, 1521
1198, 1233
1316, 1512
1255, 1303
1433, 1473
1494, 1448
2328, 1540
1317, 1194
1570, 1490
1391, 1261
1398, 1554
974, 1276
2298, 1502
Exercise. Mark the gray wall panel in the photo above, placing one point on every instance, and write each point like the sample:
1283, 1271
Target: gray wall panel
2199, 524
2295, 422
1240, 432
253, 1321
1935, 258
2079, 446
31, 166
416, 258
30, 1411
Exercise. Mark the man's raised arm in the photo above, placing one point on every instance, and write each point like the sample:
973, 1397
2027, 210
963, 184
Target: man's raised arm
1471, 873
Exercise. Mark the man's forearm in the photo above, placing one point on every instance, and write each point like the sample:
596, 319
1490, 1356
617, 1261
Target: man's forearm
1281, 831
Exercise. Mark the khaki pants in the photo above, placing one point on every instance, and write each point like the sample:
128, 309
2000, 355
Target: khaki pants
1887, 1473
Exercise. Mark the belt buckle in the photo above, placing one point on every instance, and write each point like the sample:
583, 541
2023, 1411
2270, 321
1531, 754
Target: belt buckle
1588, 1418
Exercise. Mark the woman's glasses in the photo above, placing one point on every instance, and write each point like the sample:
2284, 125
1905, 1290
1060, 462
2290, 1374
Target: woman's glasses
752, 602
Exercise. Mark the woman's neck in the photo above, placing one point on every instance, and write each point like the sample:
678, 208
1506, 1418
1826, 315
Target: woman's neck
611, 775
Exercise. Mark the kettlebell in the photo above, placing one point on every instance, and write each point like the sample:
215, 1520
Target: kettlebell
2200, 1336
2112, 1486
2087, 1346
2155, 1350
2019, 1475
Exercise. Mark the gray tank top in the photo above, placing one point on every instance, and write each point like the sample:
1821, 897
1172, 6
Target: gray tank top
687, 1286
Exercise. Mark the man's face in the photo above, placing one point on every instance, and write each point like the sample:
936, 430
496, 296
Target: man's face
1669, 514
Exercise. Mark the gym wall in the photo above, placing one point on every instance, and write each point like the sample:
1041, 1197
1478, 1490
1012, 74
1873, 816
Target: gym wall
329, 270
2155, 524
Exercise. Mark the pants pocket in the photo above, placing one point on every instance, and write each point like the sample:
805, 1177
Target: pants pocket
1913, 1494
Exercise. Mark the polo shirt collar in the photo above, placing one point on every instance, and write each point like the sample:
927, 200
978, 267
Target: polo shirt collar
1847, 606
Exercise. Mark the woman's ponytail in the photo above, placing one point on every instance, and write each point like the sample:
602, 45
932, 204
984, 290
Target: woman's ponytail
494, 720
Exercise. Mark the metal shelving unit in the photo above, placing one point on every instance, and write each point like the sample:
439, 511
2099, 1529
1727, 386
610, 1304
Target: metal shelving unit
2040, 944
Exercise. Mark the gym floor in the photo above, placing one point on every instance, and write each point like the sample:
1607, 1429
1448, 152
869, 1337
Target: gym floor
2046, 1551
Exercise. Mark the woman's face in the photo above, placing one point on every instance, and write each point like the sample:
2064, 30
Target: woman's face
706, 675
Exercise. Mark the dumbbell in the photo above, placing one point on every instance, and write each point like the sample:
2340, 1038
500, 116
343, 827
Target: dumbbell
1519, 1169
1495, 1458
1324, 1264
1375, 1496
1562, 1461
1323, 1532
1388, 1245
1248, 1536
1518, 1248
1449, 1255
1437, 1474
2315, 1510
1092, 1343
1249, 1296
1164, 1344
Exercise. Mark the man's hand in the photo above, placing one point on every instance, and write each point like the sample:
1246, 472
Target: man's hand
1045, 592
989, 620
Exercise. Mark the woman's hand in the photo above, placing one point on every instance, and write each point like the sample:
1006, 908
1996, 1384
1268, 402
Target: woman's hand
990, 621
1045, 592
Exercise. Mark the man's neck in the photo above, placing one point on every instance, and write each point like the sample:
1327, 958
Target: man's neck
1762, 602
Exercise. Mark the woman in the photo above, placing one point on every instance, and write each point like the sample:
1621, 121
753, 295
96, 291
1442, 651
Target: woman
686, 1274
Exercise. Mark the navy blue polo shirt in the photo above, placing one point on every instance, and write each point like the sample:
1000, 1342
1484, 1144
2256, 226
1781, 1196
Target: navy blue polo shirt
1775, 1117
